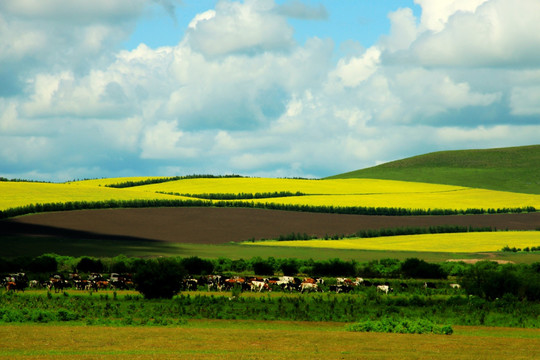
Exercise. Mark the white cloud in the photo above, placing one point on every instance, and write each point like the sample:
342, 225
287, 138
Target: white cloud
525, 100
497, 33
245, 28
238, 95
435, 13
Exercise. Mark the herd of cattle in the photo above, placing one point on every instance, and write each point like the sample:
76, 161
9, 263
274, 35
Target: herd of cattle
95, 282
290, 283
58, 282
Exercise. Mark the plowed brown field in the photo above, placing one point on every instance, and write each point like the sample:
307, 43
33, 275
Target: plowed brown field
222, 225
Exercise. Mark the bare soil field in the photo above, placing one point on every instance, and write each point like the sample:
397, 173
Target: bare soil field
223, 225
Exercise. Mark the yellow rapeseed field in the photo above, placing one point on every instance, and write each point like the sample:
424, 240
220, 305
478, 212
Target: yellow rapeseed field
319, 187
354, 192
14, 194
338, 193
454, 242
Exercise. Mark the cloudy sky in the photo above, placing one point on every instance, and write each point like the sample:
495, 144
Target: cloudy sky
288, 88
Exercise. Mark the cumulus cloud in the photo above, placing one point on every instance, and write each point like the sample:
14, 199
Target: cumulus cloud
242, 28
494, 33
239, 95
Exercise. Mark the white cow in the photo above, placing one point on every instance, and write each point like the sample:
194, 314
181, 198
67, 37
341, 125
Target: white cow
259, 286
455, 286
306, 286
384, 288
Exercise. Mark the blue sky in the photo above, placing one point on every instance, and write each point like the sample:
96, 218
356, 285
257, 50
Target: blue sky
276, 88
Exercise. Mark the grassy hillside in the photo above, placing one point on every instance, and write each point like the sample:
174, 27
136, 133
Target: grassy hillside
515, 169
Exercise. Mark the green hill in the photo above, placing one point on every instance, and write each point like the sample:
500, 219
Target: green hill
515, 169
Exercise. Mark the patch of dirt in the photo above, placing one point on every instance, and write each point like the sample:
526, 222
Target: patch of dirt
474, 261
223, 225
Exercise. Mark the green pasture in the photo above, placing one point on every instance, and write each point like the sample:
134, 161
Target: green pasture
513, 169
31, 246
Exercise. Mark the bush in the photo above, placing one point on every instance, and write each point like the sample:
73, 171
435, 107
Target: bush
262, 267
401, 326
290, 267
88, 265
43, 264
419, 269
159, 278
195, 265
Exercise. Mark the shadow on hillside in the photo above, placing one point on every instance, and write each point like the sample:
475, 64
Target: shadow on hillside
34, 240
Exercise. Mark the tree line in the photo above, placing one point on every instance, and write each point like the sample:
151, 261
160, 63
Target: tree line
371, 233
240, 196
140, 203
126, 184
485, 279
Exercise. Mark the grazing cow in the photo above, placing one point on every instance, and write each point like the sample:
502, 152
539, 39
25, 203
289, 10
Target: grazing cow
57, 284
190, 284
33, 284
455, 286
259, 286
341, 288
384, 288
307, 286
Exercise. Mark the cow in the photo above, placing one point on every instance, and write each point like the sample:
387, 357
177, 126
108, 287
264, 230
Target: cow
341, 288
455, 286
429, 285
259, 286
308, 286
384, 288
190, 284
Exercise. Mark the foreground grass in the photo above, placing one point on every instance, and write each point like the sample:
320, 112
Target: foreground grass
452, 242
211, 339
35, 246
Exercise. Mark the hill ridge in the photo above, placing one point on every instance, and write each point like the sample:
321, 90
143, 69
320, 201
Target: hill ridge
514, 169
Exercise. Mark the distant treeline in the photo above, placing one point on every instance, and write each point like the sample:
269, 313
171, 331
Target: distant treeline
148, 203
21, 180
371, 233
240, 196
526, 249
126, 184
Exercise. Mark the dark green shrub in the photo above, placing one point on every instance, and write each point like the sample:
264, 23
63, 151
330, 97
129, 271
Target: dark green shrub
88, 265
419, 269
195, 265
159, 278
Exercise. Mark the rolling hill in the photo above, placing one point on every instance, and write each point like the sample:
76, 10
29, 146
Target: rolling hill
514, 169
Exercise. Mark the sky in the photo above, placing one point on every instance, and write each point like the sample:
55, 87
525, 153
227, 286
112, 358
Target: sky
288, 88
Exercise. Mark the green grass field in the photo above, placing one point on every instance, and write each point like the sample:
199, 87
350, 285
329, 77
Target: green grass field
514, 169
215, 339
35, 246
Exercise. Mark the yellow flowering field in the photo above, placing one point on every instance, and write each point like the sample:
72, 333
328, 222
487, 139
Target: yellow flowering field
268, 185
14, 194
354, 192
458, 200
453, 242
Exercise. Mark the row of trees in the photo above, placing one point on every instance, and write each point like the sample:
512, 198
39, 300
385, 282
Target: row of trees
486, 279
239, 196
139, 203
126, 184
